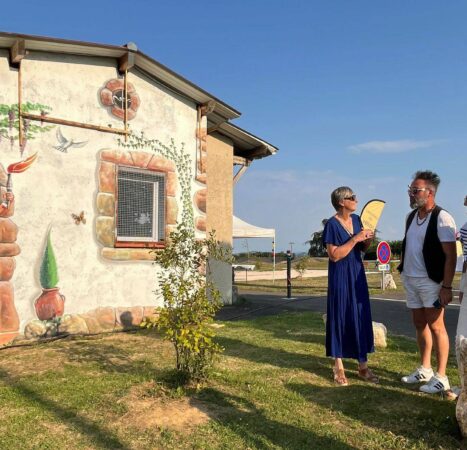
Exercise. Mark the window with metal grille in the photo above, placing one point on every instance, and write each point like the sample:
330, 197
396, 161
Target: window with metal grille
140, 205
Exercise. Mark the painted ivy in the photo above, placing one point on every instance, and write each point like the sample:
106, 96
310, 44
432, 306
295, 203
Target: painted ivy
191, 300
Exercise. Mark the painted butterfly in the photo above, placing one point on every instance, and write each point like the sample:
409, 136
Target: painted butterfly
79, 218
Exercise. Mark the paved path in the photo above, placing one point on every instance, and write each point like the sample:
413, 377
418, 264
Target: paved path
253, 275
390, 311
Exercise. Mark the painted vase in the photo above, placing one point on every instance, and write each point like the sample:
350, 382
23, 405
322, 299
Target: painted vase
50, 304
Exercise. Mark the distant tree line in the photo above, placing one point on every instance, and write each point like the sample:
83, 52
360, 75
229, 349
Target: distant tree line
317, 248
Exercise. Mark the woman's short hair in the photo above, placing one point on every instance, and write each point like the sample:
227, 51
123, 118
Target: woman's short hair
430, 177
338, 195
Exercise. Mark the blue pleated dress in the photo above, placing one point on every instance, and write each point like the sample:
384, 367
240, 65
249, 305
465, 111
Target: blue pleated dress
349, 331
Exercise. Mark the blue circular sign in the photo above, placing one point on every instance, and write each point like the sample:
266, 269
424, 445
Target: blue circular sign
383, 252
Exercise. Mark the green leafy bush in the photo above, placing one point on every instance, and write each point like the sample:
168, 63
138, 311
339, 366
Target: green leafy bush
190, 301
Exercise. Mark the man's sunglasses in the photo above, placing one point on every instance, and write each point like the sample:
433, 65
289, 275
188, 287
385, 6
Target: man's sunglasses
352, 197
415, 191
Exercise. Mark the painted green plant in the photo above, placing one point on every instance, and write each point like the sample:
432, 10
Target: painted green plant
49, 271
9, 122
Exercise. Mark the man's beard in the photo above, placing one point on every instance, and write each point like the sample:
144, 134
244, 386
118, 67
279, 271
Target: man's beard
416, 203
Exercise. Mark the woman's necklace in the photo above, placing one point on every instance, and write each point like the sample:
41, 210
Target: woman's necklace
426, 217
344, 225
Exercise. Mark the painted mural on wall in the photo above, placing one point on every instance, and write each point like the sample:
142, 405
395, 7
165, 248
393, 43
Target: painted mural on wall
64, 144
140, 155
112, 95
51, 303
9, 123
9, 320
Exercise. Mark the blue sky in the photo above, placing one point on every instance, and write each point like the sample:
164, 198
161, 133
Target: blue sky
359, 93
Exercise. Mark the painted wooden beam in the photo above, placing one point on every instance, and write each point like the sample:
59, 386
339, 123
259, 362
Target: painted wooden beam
18, 51
70, 123
126, 62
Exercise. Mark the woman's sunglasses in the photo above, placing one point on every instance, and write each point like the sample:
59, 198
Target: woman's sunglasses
352, 197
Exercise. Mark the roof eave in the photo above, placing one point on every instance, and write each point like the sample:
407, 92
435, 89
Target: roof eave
160, 72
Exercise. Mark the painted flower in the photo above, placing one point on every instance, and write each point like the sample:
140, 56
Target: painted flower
112, 95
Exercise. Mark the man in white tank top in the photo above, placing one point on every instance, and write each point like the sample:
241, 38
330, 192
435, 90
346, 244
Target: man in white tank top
427, 270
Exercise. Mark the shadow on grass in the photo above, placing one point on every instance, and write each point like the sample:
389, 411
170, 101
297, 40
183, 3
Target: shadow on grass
415, 416
318, 365
251, 424
107, 357
101, 437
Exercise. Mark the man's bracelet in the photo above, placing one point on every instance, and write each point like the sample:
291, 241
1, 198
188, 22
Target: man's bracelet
446, 287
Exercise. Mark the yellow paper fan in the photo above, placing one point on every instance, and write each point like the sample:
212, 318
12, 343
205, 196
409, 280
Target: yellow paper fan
371, 213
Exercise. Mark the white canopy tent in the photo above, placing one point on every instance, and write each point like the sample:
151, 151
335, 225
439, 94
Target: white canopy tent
242, 230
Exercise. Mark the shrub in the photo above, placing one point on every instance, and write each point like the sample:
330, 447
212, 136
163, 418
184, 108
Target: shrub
190, 301
301, 265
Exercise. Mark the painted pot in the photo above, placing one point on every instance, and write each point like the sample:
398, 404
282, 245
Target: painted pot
50, 304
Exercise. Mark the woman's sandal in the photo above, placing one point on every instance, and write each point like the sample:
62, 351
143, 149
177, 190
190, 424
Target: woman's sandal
339, 377
368, 375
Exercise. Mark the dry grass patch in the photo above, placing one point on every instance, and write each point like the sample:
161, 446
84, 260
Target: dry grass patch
151, 405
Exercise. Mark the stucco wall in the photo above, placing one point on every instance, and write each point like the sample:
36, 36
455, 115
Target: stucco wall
62, 183
219, 205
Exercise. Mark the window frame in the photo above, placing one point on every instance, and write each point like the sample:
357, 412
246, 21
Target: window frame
135, 242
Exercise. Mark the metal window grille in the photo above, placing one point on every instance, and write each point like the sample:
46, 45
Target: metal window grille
140, 205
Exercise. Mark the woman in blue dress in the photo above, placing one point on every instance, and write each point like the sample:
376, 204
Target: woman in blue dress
349, 331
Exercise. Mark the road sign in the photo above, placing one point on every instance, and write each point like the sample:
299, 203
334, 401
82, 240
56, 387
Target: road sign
384, 267
383, 252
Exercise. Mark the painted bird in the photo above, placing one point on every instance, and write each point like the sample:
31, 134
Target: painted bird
65, 144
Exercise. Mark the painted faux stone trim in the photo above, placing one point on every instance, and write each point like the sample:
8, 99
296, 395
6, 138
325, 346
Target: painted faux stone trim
9, 320
112, 95
100, 320
105, 200
200, 223
200, 199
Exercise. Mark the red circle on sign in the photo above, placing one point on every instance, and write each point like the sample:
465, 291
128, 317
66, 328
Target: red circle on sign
383, 252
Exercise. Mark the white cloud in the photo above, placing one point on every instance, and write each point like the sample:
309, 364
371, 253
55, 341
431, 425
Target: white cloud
404, 145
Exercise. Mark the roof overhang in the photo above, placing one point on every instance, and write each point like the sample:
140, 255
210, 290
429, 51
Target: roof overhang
161, 73
246, 144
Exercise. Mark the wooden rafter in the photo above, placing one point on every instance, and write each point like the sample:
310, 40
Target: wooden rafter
241, 161
262, 150
208, 107
126, 62
238, 175
214, 128
17, 51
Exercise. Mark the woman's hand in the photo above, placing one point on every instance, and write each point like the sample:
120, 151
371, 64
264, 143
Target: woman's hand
363, 235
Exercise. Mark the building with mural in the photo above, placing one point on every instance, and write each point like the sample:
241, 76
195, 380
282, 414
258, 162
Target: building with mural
84, 208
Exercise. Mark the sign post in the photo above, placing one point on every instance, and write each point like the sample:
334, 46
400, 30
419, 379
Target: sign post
383, 253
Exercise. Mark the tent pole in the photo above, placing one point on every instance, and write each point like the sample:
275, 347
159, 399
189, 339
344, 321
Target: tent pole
274, 259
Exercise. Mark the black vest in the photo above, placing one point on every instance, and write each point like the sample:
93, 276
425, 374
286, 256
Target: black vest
433, 254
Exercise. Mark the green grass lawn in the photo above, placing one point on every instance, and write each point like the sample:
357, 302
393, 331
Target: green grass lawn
271, 389
319, 285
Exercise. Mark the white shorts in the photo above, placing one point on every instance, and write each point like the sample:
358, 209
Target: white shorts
421, 292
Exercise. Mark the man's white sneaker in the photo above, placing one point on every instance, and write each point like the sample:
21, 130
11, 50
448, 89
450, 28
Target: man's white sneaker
436, 384
420, 375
